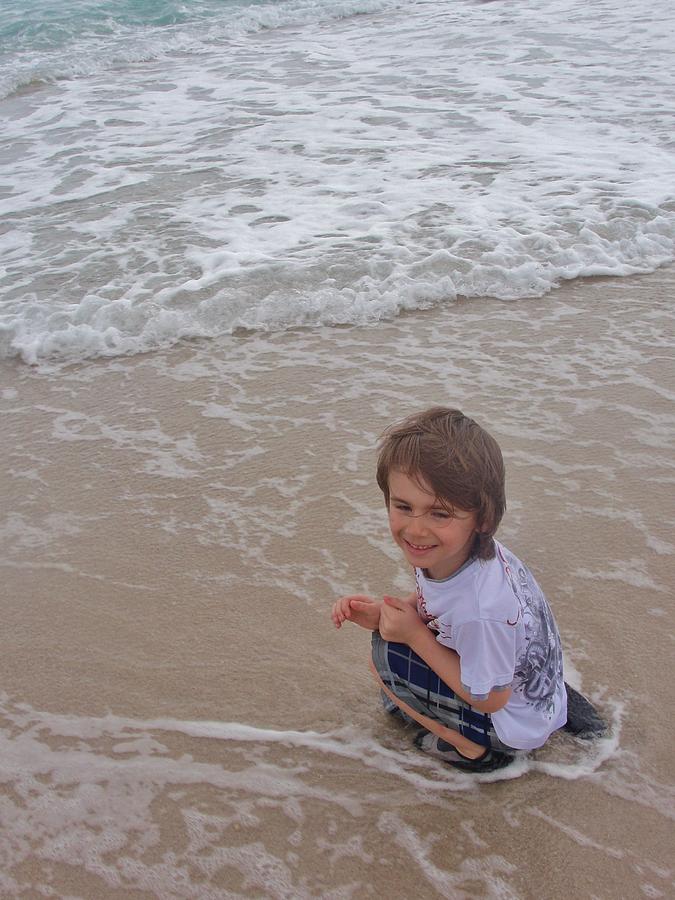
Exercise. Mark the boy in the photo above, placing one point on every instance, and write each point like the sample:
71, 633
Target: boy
474, 654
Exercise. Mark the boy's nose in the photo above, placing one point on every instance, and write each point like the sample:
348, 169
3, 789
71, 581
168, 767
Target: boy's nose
417, 532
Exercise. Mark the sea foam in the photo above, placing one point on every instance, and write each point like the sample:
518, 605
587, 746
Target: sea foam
337, 172
47, 42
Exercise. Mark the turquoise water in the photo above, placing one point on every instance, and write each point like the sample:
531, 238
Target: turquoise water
47, 40
52, 25
44, 34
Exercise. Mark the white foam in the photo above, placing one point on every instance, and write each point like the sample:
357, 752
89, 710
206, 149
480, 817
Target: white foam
632, 571
163, 454
488, 870
341, 172
123, 43
93, 793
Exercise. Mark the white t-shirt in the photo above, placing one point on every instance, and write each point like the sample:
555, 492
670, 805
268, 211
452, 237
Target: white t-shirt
495, 615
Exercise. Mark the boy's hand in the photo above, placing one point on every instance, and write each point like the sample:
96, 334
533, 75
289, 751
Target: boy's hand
359, 609
399, 621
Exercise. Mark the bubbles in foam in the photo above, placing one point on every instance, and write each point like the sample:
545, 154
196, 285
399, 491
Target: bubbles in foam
157, 806
446, 884
220, 191
73, 40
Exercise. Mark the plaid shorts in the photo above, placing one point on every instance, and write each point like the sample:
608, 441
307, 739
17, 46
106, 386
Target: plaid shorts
411, 680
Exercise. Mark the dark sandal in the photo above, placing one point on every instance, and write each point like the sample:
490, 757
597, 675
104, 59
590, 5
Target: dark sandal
437, 747
583, 719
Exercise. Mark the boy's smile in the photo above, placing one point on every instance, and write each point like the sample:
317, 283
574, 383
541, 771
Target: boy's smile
430, 537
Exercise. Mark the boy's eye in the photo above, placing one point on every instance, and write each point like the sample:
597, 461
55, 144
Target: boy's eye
440, 514
402, 506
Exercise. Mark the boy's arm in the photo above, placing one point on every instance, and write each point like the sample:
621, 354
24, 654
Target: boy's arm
397, 624
359, 609
362, 610
445, 663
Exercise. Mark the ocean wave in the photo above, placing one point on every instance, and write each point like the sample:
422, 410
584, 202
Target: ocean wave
212, 305
45, 44
335, 174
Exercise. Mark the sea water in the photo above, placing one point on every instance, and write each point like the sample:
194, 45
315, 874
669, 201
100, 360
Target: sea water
177, 716
173, 170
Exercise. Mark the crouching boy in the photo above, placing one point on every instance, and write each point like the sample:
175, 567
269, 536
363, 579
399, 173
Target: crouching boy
473, 655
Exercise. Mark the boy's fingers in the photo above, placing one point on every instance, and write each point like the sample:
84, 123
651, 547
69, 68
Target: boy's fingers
394, 601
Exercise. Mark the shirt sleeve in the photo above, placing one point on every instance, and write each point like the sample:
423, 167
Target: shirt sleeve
487, 656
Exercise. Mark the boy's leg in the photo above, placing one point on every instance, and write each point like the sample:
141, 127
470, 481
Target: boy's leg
409, 683
464, 745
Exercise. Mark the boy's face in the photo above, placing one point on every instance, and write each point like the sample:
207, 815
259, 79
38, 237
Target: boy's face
431, 537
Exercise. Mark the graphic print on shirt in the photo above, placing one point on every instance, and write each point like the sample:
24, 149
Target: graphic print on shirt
539, 667
422, 610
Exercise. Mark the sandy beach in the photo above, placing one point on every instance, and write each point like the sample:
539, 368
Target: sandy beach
178, 716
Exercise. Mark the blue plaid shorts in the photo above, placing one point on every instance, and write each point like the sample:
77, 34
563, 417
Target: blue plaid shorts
411, 680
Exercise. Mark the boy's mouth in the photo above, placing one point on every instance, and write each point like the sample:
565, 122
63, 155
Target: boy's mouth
418, 548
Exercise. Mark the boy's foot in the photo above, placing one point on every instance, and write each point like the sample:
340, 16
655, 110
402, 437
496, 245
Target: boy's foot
583, 719
435, 746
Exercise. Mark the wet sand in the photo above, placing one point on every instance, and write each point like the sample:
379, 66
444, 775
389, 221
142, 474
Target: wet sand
178, 716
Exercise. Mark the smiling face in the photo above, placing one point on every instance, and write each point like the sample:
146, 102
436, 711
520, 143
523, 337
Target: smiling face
431, 536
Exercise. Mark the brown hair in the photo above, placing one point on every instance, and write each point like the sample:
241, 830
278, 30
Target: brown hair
457, 459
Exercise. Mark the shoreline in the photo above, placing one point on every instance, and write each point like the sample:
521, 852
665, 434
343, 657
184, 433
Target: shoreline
177, 525
574, 286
